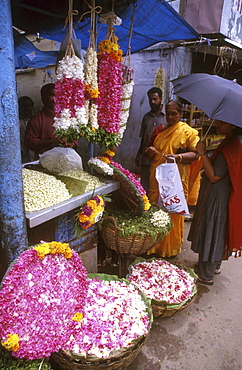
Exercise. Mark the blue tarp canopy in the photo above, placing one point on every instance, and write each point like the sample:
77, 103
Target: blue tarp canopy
154, 21
28, 56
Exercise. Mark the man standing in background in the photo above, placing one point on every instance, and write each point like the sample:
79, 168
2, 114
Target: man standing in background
155, 117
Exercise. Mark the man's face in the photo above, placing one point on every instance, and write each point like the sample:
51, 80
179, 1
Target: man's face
48, 98
155, 101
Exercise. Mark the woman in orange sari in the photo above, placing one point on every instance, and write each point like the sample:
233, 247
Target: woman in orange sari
176, 135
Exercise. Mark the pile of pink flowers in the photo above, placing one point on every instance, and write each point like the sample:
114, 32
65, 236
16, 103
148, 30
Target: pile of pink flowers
161, 280
39, 296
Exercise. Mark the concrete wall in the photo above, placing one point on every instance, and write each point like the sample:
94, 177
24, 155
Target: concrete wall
30, 82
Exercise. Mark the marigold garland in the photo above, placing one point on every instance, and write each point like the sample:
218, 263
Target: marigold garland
91, 212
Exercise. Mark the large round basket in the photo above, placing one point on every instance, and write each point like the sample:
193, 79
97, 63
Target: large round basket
120, 359
136, 244
67, 362
163, 309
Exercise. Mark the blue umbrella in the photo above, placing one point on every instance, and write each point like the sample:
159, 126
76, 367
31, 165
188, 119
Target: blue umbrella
218, 97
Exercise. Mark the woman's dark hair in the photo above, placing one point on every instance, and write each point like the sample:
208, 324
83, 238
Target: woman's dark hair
237, 130
155, 90
177, 103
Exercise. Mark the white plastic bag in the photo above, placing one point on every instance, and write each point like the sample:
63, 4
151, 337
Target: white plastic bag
60, 159
171, 193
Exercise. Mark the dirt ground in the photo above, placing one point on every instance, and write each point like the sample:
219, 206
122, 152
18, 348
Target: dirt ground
206, 335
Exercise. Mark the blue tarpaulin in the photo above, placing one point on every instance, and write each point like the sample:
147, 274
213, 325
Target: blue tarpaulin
28, 56
154, 21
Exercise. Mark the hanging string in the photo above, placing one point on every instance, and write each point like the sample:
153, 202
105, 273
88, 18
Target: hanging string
69, 19
93, 11
128, 54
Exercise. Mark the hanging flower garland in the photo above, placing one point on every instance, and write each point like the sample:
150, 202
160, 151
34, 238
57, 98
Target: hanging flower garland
35, 310
70, 113
110, 87
91, 87
127, 91
91, 212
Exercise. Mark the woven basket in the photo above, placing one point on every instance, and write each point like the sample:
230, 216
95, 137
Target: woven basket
162, 309
136, 244
66, 362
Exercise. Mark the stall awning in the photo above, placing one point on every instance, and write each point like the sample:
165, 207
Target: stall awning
154, 21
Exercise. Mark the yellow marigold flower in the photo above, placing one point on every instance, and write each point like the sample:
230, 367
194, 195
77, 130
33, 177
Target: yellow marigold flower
53, 248
83, 218
42, 250
147, 204
87, 87
105, 159
109, 152
78, 316
93, 129
92, 204
12, 343
94, 93
115, 47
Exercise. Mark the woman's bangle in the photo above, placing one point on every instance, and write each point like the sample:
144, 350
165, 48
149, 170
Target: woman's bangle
180, 158
203, 153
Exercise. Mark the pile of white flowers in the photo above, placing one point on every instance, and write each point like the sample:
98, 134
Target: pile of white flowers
42, 190
100, 166
93, 181
160, 218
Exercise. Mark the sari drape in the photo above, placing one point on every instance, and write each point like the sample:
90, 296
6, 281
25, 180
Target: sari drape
168, 142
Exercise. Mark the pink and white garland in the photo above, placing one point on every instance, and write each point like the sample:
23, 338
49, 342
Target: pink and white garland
70, 112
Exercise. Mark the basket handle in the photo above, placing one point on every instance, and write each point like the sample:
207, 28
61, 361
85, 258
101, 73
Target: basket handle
112, 220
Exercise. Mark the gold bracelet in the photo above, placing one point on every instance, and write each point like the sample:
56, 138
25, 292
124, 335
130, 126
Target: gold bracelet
180, 158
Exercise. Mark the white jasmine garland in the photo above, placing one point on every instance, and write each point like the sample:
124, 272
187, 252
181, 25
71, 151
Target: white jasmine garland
91, 68
127, 91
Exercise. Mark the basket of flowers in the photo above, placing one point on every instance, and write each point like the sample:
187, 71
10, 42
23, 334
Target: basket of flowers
170, 286
127, 233
112, 330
